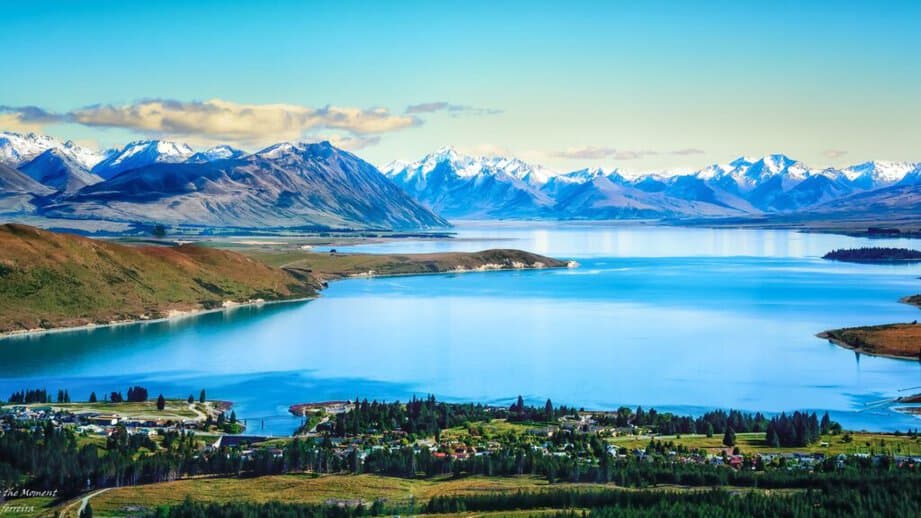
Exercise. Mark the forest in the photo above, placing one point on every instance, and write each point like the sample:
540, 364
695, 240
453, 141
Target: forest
873, 254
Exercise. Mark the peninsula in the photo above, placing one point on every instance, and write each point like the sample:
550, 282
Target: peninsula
901, 341
51, 280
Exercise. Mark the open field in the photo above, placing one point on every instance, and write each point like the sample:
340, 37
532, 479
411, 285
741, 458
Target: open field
329, 489
174, 409
860, 442
311, 489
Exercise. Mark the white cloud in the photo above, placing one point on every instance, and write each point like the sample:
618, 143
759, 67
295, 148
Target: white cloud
444, 106
598, 152
221, 121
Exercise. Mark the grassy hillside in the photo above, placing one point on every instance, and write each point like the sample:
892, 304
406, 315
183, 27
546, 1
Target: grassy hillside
50, 279
895, 340
53, 280
334, 266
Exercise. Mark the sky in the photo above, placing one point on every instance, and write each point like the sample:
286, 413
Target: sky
645, 86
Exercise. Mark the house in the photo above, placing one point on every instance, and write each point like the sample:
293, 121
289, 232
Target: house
104, 420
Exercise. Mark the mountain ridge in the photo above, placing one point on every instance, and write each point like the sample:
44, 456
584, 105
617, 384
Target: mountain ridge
753, 186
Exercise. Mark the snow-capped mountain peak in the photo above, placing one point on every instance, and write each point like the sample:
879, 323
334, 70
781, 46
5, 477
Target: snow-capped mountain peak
879, 172
141, 153
16, 149
466, 166
221, 152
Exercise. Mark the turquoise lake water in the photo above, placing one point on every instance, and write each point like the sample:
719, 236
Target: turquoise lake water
676, 318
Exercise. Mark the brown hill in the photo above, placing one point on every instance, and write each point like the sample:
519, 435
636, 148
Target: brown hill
51, 279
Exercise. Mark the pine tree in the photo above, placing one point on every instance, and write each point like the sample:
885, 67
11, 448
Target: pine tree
161, 402
92, 397
729, 438
201, 397
191, 399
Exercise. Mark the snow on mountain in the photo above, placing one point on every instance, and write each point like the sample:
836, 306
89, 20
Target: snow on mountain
141, 153
60, 171
878, 173
457, 185
769, 184
285, 185
221, 152
465, 166
912, 178
17, 149
304, 183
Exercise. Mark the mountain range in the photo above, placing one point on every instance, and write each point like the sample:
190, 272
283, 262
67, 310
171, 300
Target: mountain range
286, 185
459, 186
291, 185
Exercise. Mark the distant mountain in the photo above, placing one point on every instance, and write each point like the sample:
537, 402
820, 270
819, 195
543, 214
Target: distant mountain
612, 196
285, 185
222, 152
894, 201
18, 192
466, 187
142, 153
303, 185
877, 174
17, 149
457, 185
912, 178
60, 171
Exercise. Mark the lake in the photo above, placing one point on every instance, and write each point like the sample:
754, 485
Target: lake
682, 319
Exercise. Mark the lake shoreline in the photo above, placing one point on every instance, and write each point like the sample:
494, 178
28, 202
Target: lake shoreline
830, 335
230, 305
174, 317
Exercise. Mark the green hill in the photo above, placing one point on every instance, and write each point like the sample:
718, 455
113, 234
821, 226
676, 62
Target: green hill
51, 279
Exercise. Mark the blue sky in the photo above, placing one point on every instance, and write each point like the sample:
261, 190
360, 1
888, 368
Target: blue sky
640, 85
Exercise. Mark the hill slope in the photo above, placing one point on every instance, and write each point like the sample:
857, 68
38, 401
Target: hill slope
286, 185
55, 280
50, 279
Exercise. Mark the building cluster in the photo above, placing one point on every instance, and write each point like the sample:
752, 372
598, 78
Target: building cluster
89, 422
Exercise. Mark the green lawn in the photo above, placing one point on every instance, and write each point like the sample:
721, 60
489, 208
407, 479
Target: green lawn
174, 409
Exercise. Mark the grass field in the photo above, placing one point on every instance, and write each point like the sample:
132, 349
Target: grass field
323, 489
860, 442
309, 489
175, 409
